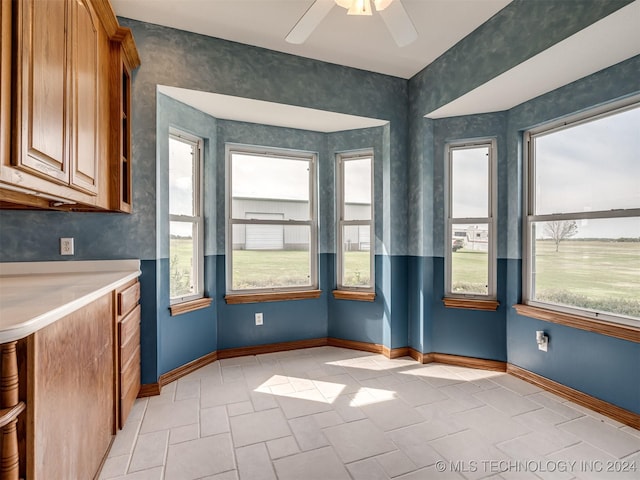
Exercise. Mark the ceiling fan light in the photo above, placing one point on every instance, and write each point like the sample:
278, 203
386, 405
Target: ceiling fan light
344, 3
360, 7
381, 4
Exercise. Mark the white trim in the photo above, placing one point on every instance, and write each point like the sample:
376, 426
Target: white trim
341, 158
490, 220
197, 219
529, 202
312, 222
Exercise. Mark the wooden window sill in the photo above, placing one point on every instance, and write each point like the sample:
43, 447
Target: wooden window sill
354, 295
189, 306
471, 304
238, 298
617, 330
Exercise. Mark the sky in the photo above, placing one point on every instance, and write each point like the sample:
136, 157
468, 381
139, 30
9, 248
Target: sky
591, 167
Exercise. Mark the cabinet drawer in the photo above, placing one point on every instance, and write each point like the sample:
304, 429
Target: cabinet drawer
128, 298
128, 350
128, 327
130, 373
129, 392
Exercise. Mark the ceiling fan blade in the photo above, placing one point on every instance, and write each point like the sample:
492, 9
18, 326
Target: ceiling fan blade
399, 23
309, 21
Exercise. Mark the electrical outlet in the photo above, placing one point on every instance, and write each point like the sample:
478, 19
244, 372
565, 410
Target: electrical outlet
66, 246
258, 318
542, 340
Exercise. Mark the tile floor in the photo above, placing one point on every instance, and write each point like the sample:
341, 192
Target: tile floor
330, 413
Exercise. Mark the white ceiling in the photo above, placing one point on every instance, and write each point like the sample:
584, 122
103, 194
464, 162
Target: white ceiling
354, 41
228, 107
364, 42
611, 40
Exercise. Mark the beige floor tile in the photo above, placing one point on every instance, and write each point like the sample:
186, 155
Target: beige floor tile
470, 449
282, 447
213, 421
150, 451
307, 433
419, 393
254, 463
239, 408
557, 404
493, 425
230, 475
258, 427
164, 416
507, 401
392, 414
321, 464
184, 433
215, 395
396, 463
367, 469
515, 384
429, 473
187, 389
300, 404
357, 440
414, 441
604, 436
199, 458
301, 415
114, 467
125, 439
150, 474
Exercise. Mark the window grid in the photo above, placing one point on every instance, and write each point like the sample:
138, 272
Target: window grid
344, 223
551, 224
235, 224
480, 228
186, 289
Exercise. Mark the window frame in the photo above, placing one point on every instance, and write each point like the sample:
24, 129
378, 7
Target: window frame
529, 218
341, 158
312, 222
490, 220
197, 219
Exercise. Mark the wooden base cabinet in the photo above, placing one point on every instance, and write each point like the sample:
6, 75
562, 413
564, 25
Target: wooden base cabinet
127, 349
70, 400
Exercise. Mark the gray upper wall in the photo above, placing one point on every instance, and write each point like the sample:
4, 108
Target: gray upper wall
521, 30
177, 58
186, 60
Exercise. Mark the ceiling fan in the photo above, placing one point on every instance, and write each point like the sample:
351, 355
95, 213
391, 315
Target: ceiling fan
392, 13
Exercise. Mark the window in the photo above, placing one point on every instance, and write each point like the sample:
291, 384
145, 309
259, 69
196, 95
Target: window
470, 239
272, 220
186, 235
356, 238
582, 229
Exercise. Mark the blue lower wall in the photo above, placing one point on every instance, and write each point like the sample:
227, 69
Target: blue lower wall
383, 321
472, 333
602, 366
283, 321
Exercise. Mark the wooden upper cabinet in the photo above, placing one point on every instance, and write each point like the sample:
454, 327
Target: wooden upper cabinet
5, 80
86, 98
44, 103
70, 95
121, 186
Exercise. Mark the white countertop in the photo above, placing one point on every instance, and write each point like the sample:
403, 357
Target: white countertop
36, 294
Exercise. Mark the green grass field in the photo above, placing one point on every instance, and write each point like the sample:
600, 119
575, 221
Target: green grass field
260, 268
592, 274
596, 275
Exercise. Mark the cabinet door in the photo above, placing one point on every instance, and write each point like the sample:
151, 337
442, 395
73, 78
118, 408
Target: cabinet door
45, 92
86, 96
5, 80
